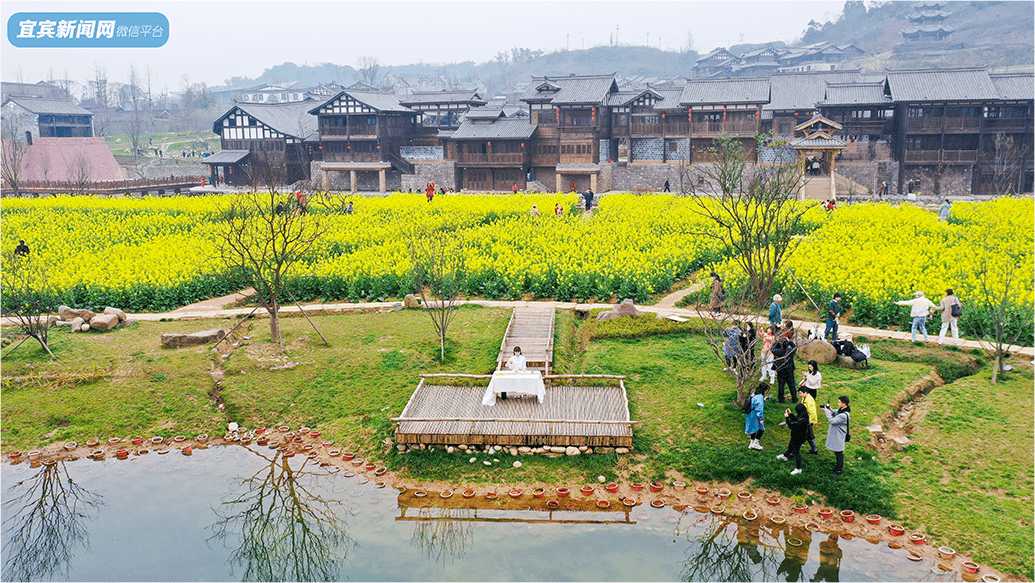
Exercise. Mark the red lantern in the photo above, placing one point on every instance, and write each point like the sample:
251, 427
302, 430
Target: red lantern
690, 115
558, 110
758, 112
724, 113
662, 116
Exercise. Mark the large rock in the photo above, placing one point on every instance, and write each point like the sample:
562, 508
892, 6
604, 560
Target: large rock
195, 339
104, 322
115, 311
626, 308
821, 351
847, 362
77, 323
86, 314
411, 301
67, 314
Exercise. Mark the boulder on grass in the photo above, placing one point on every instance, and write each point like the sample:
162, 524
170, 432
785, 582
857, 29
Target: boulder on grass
67, 314
821, 351
86, 314
77, 324
411, 301
104, 322
848, 362
626, 308
116, 311
195, 339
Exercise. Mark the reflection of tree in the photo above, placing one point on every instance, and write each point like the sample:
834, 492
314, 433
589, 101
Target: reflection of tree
723, 553
444, 535
286, 532
46, 516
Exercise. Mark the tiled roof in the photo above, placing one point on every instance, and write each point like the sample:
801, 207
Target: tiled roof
502, 128
670, 99
39, 105
928, 28
816, 143
484, 113
725, 91
1014, 85
226, 157
291, 119
790, 91
572, 90
421, 97
941, 84
382, 102
58, 159
855, 94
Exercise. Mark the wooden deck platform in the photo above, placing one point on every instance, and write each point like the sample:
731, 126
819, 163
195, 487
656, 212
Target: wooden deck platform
532, 330
569, 415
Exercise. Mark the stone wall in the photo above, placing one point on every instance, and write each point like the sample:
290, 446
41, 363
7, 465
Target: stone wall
413, 153
366, 180
648, 149
442, 172
645, 177
605, 151
869, 174
944, 181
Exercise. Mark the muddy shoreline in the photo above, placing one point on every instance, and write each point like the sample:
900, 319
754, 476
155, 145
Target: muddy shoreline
760, 507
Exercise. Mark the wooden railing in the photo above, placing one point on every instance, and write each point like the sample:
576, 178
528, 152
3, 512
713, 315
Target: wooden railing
106, 186
962, 123
491, 158
1007, 123
941, 156
646, 128
363, 130
729, 127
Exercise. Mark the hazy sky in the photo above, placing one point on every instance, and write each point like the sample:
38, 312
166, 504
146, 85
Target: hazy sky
213, 41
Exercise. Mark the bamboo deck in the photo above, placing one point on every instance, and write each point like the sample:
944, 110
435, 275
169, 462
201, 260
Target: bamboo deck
569, 415
532, 330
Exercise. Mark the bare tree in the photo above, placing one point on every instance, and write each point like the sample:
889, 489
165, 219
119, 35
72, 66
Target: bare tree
1008, 158
101, 92
137, 100
13, 152
439, 269
79, 170
369, 69
752, 211
44, 523
195, 97
998, 313
443, 533
28, 297
283, 529
261, 237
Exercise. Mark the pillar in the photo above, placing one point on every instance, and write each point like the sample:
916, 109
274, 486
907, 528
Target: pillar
593, 182
352, 179
325, 180
559, 180
382, 181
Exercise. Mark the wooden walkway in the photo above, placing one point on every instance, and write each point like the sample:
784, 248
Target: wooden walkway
569, 415
532, 330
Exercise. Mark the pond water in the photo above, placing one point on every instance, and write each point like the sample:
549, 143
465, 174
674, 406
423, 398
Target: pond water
231, 513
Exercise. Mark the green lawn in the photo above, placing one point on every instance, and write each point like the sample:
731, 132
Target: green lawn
966, 480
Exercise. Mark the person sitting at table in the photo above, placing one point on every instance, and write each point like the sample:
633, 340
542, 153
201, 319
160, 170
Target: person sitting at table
517, 361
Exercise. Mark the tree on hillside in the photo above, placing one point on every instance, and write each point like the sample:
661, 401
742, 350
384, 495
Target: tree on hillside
751, 210
369, 69
137, 127
1000, 295
439, 270
13, 152
28, 297
1009, 155
262, 236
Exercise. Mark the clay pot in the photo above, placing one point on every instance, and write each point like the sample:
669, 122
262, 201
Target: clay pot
289, 454
745, 496
187, 450
552, 504
679, 486
630, 502
812, 527
656, 487
420, 494
180, 438
71, 445
918, 538
750, 514
990, 578
587, 490
303, 430
122, 454
895, 529
491, 495
446, 494
515, 493
357, 462
847, 516
328, 443
380, 471
297, 439
801, 508
202, 438
263, 441
348, 455
562, 491
311, 455
307, 447
603, 504
468, 493
115, 440
755, 533
369, 465
778, 519
873, 518
636, 486
95, 442
260, 430
659, 503
284, 428
334, 452
314, 433
539, 492
946, 553
612, 487
826, 512
138, 440
34, 455
970, 567
702, 491
773, 500
724, 493
718, 509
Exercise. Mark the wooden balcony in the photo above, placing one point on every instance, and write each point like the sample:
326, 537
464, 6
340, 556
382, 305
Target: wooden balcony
577, 159
867, 127
491, 159
701, 128
649, 129
962, 123
937, 124
677, 128
339, 132
936, 156
353, 157
545, 160
997, 124
924, 124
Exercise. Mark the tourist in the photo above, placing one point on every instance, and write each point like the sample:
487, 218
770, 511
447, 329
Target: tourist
348, 209
788, 330
783, 361
747, 343
798, 423
945, 211
775, 311
588, 195
731, 347
517, 361
558, 211
22, 250
951, 310
718, 294
535, 211
810, 405
811, 379
573, 187
430, 192
768, 338
920, 308
668, 188
754, 424
883, 189
834, 312
838, 432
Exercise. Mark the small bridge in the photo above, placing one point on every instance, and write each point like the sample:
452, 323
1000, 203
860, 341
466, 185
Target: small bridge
532, 330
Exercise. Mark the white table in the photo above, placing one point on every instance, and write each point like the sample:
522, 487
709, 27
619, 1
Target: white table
514, 383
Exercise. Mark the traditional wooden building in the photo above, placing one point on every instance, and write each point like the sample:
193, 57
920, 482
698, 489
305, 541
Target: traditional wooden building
263, 143
48, 118
361, 132
492, 151
865, 113
732, 107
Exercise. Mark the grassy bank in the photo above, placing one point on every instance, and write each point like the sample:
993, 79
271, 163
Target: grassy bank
973, 449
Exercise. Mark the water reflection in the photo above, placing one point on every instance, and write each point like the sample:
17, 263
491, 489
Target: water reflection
285, 531
727, 550
829, 560
46, 524
796, 543
442, 533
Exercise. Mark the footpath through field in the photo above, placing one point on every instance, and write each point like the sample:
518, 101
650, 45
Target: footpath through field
213, 308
